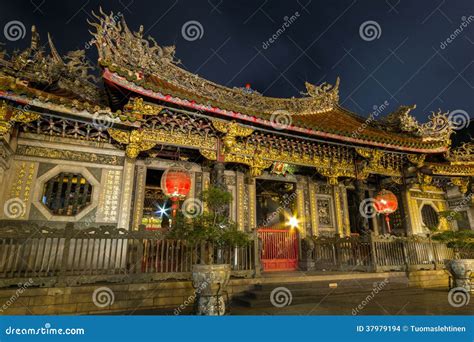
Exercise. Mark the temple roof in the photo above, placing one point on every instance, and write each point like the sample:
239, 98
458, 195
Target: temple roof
149, 71
142, 66
149, 100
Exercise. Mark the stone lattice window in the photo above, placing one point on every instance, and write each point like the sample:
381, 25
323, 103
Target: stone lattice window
429, 216
67, 194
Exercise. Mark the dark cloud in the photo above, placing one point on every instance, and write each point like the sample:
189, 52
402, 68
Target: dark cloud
411, 61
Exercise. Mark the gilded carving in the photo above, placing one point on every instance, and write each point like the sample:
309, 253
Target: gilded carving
43, 152
417, 159
439, 128
427, 195
9, 115
119, 46
463, 155
379, 162
324, 212
461, 182
232, 130
137, 108
135, 141
424, 180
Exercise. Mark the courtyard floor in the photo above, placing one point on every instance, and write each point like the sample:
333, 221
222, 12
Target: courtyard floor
399, 302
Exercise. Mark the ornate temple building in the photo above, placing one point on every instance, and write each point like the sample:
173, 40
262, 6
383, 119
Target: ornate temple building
91, 150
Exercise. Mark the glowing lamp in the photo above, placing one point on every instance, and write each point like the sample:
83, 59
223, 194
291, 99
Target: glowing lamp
386, 203
176, 184
293, 222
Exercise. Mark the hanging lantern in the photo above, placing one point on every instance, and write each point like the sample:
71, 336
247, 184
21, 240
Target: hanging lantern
386, 203
176, 184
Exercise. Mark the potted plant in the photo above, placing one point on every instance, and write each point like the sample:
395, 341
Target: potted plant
210, 232
462, 242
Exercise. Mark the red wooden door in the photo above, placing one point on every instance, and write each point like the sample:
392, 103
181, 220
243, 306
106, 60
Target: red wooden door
279, 249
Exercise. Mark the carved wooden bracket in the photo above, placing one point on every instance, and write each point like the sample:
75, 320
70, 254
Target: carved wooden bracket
461, 182
9, 115
135, 141
232, 130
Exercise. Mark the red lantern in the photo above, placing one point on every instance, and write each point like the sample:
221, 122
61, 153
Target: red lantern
176, 183
386, 203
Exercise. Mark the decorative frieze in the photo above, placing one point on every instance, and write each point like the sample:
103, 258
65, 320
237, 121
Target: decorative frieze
78, 156
428, 195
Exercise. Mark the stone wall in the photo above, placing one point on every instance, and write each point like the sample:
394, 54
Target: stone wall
175, 296
425, 279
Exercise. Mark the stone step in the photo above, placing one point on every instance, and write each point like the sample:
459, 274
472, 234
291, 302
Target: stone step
296, 292
304, 298
314, 291
325, 284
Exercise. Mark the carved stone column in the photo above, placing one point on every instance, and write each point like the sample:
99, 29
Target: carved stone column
240, 200
338, 209
140, 181
314, 208
300, 207
345, 210
362, 222
252, 213
217, 175
127, 187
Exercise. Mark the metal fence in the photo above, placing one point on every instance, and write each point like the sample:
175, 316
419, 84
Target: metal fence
82, 256
379, 253
71, 256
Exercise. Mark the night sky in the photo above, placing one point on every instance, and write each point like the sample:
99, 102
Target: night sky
407, 61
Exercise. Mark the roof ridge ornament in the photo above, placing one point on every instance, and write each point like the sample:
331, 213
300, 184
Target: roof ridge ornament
322, 89
117, 44
34, 65
461, 155
438, 128
128, 53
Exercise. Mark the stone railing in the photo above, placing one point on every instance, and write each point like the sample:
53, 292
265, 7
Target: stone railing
376, 254
72, 256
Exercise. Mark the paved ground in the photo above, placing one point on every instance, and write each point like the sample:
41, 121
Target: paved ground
399, 302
